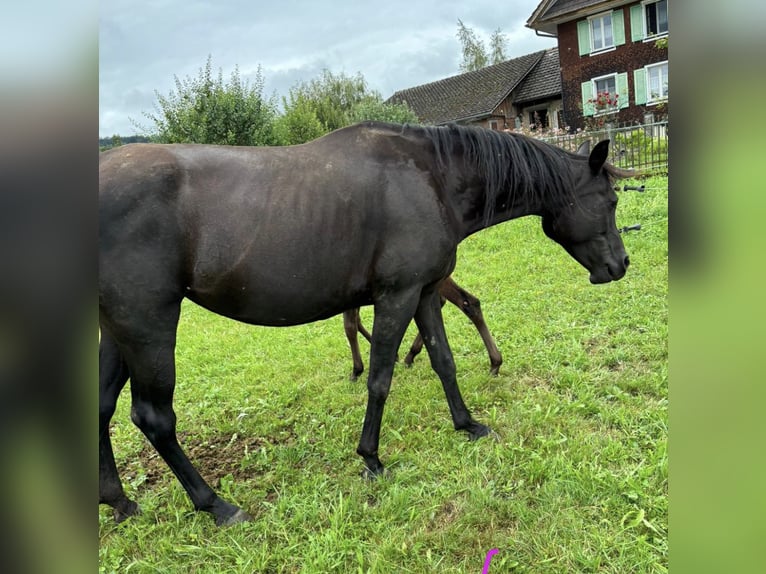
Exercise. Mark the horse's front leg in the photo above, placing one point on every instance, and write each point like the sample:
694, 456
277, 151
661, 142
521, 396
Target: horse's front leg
392, 316
428, 317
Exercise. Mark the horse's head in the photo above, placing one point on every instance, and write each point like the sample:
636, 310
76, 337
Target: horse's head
585, 226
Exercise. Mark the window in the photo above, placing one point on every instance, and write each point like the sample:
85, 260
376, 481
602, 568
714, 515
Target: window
657, 77
605, 94
601, 32
649, 20
656, 18
605, 85
651, 84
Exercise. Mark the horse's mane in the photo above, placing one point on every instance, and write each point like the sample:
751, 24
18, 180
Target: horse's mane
529, 171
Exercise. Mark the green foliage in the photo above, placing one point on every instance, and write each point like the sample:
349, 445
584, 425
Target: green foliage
376, 110
640, 149
575, 481
332, 97
299, 123
205, 109
497, 45
331, 102
474, 53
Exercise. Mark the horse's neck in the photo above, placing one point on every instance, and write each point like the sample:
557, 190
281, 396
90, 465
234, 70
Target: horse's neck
505, 210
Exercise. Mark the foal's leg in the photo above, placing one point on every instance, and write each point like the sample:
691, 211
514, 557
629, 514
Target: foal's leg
112, 376
152, 381
471, 306
364, 332
392, 316
429, 320
352, 325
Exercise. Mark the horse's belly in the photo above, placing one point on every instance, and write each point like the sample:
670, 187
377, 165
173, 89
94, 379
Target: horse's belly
281, 300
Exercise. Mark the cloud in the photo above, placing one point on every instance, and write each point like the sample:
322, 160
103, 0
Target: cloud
394, 45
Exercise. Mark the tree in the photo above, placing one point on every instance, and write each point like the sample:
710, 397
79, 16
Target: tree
376, 109
475, 55
298, 124
332, 97
331, 102
497, 43
205, 109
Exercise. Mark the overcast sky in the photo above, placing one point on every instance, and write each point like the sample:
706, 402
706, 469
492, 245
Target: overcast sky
394, 44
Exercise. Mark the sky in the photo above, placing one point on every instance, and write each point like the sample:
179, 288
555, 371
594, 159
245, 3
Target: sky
395, 44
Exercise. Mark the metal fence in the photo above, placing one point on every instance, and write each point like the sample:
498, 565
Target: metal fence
639, 147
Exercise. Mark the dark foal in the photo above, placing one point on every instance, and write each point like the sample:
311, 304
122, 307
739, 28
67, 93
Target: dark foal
448, 291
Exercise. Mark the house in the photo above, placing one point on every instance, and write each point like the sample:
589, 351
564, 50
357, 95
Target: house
524, 90
612, 64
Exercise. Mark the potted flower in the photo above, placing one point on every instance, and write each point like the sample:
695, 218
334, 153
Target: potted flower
604, 102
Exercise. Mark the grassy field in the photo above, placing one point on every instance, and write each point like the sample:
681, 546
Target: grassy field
575, 481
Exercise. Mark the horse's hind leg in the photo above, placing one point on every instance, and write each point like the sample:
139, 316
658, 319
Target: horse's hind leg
471, 306
147, 342
112, 375
429, 321
352, 326
152, 383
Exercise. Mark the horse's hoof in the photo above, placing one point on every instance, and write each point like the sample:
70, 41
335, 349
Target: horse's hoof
239, 516
128, 510
368, 474
494, 371
478, 430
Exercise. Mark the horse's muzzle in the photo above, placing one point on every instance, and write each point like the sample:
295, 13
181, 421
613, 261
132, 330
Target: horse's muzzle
610, 272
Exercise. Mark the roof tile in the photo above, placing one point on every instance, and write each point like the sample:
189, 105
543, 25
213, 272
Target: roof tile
469, 95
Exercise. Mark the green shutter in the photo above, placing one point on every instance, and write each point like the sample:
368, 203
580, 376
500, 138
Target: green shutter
622, 90
618, 27
639, 84
587, 94
583, 36
637, 23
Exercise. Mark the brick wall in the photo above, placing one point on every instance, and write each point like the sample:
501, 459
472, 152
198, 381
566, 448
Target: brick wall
576, 69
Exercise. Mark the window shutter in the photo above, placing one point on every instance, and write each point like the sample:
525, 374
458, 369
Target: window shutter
618, 27
583, 37
587, 94
639, 82
622, 90
637, 22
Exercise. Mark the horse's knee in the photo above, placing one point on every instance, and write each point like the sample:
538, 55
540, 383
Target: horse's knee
378, 388
156, 424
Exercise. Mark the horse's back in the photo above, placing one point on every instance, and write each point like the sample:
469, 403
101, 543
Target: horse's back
271, 235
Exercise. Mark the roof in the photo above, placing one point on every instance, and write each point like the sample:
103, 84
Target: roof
550, 13
470, 95
544, 81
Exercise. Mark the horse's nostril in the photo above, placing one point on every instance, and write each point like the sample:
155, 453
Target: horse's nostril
626, 261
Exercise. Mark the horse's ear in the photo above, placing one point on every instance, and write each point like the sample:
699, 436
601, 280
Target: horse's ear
584, 148
598, 156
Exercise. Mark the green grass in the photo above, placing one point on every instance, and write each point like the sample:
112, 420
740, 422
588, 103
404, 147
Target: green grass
575, 481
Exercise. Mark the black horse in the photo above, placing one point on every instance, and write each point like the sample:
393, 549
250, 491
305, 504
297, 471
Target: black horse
448, 291
368, 215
